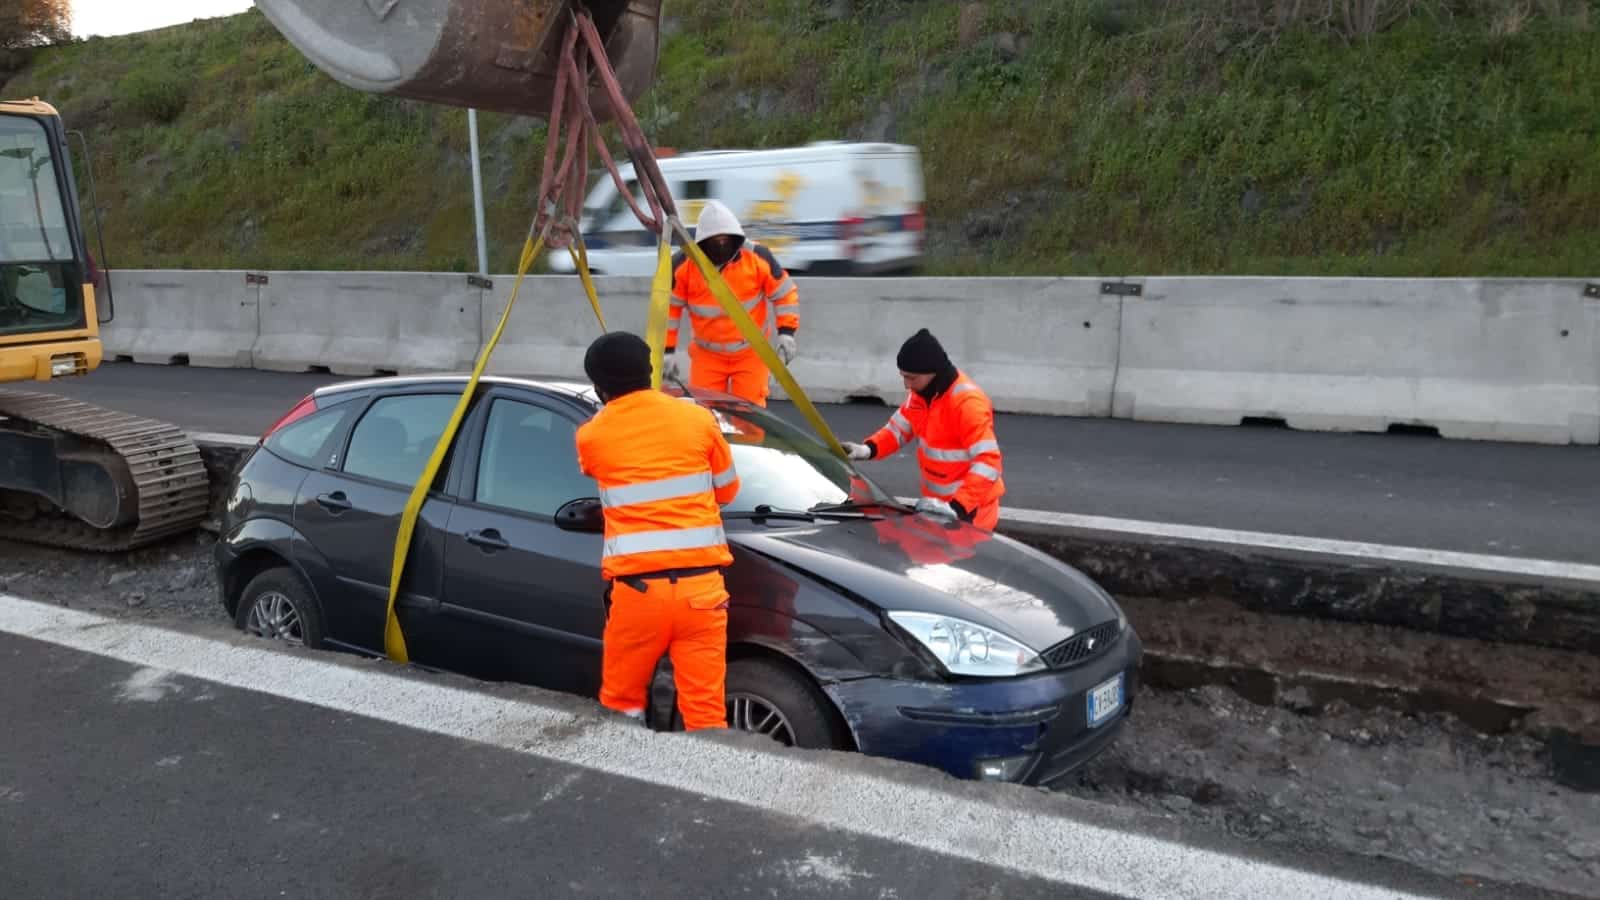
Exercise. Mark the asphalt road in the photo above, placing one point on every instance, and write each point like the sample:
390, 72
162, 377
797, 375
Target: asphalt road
139, 762
1475, 497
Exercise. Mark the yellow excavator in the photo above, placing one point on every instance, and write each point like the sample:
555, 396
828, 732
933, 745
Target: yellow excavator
76, 475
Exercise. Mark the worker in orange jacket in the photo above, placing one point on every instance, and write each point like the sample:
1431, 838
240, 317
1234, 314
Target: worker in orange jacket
953, 422
720, 358
664, 472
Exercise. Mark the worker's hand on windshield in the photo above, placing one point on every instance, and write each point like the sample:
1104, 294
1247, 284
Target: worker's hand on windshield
935, 507
669, 368
786, 348
857, 451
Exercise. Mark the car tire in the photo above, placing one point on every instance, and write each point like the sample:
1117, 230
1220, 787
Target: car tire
277, 605
756, 688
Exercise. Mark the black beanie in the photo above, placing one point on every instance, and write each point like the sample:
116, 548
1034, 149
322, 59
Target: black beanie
618, 363
921, 354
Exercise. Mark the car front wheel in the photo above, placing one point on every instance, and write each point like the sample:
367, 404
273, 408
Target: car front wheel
766, 698
277, 605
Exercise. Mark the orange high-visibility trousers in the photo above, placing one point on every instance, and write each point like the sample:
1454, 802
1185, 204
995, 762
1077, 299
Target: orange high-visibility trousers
741, 374
987, 516
686, 617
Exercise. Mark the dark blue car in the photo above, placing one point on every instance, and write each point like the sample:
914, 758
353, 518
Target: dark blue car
855, 624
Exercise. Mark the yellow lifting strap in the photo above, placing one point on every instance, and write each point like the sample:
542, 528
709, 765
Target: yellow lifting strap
394, 641
747, 327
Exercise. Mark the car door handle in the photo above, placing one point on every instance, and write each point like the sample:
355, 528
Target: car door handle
489, 539
334, 502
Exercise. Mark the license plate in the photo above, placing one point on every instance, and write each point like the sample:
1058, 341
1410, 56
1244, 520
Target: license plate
1104, 700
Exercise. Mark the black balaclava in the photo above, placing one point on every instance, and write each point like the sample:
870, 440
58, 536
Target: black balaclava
722, 248
618, 363
922, 354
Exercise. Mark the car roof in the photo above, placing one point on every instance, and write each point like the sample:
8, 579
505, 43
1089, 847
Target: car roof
580, 390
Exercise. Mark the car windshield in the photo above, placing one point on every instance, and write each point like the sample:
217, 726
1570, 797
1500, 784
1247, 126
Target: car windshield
784, 467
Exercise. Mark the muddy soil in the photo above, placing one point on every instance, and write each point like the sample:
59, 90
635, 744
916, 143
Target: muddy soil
1555, 690
1424, 789
1427, 789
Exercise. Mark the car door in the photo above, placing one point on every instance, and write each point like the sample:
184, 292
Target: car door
349, 512
531, 591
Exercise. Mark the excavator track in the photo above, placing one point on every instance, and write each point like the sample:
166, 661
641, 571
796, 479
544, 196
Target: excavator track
164, 468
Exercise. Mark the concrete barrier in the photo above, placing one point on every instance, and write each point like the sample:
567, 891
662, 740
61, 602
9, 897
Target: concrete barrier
365, 323
1500, 359
1514, 360
1036, 345
552, 324
165, 316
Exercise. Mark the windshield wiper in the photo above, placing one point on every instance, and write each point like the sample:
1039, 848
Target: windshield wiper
805, 515
857, 505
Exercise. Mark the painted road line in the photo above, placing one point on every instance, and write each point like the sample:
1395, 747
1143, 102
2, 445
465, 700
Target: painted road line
1355, 551
1015, 829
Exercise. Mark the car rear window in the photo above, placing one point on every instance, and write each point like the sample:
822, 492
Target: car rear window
394, 438
306, 441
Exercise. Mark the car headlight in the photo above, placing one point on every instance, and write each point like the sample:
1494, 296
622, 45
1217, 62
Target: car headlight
967, 649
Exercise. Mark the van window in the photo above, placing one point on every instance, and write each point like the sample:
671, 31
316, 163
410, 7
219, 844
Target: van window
695, 190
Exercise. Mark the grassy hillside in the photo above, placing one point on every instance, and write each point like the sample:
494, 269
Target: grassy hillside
1395, 137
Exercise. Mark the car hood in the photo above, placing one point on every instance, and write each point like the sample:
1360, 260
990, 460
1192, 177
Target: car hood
913, 563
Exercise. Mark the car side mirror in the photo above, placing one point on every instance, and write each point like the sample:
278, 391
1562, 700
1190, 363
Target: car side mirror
584, 515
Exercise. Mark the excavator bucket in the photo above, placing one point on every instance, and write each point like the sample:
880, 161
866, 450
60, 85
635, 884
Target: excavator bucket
498, 55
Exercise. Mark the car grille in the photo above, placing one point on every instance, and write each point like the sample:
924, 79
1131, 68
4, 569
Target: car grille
1080, 648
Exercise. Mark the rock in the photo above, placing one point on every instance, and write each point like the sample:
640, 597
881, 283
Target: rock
1373, 828
1499, 816
1584, 851
1297, 699
135, 599
183, 578
118, 578
1177, 804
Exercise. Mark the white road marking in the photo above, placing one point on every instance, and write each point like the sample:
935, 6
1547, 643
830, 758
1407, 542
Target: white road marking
1521, 568
1542, 569
1021, 831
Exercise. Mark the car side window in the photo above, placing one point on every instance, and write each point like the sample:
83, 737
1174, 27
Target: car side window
306, 440
529, 461
395, 437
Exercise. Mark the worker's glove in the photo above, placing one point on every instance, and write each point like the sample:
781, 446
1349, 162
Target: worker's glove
669, 368
857, 451
935, 507
786, 348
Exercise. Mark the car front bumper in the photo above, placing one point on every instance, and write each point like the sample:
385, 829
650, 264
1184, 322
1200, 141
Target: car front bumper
1031, 730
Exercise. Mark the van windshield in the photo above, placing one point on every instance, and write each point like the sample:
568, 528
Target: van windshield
606, 204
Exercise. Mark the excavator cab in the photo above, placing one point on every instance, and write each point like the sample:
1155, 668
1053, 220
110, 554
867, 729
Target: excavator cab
46, 303
498, 55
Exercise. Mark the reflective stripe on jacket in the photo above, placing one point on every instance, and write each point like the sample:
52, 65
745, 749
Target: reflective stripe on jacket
757, 281
956, 446
664, 471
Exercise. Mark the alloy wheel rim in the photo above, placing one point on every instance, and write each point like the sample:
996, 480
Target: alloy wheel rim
748, 712
274, 616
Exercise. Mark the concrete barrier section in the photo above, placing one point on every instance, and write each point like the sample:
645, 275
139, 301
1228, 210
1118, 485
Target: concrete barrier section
1036, 345
163, 316
552, 324
1494, 360
365, 323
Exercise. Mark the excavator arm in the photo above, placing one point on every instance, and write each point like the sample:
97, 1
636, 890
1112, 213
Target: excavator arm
499, 55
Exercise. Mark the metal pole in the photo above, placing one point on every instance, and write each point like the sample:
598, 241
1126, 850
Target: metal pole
477, 194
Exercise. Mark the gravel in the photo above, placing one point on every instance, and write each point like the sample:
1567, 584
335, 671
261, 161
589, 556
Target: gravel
1424, 789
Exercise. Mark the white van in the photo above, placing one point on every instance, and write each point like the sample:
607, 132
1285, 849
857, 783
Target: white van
828, 208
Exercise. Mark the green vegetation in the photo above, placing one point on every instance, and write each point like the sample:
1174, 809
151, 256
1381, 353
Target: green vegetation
1386, 137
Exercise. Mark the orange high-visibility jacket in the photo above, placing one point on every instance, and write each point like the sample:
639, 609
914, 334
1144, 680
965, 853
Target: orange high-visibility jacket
956, 447
664, 471
757, 281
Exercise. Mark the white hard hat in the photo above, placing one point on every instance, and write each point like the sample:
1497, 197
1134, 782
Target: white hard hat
716, 218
